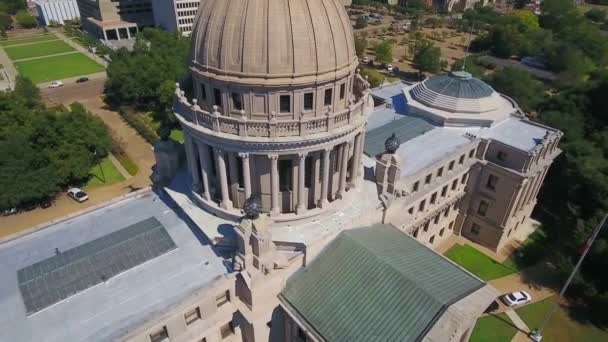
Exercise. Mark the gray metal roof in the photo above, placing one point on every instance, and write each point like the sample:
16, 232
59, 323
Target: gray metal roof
376, 284
406, 128
459, 84
115, 307
69, 272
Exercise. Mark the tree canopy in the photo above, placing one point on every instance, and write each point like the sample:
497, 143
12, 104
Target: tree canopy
25, 19
145, 77
384, 52
12, 6
427, 57
42, 150
360, 45
518, 84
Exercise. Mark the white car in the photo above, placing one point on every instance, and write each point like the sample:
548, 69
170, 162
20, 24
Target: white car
516, 298
366, 59
78, 195
56, 84
389, 68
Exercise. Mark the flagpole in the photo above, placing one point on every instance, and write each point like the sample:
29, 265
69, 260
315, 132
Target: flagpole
537, 335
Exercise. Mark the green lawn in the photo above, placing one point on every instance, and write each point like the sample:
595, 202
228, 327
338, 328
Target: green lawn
478, 263
493, 328
58, 67
42, 38
127, 163
177, 135
107, 175
37, 50
560, 327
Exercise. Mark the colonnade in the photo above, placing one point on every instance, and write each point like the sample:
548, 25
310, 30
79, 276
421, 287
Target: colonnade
213, 168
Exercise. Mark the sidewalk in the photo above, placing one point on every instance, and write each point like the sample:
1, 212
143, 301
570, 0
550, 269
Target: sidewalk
80, 48
9, 68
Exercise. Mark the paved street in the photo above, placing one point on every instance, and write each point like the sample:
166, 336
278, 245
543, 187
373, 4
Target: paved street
72, 91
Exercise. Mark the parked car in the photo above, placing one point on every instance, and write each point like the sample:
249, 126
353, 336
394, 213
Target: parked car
56, 84
46, 203
365, 60
516, 298
8, 212
389, 68
82, 79
78, 195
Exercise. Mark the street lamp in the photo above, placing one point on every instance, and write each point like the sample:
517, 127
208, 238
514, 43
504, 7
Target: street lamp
537, 334
100, 153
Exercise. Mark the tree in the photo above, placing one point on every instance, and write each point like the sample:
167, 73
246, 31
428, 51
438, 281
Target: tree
139, 78
12, 6
361, 22
596, 14
519, 85
526, 17
6, 23
471, 66
384, 52
360, 45
427, 57
25, 19
374, 77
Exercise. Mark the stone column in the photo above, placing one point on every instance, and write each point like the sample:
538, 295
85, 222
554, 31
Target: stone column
191, 156
274, 180
205, 162
325, 180
233, 178
343, 168
221, 166
316, 169
105, 36
117, 34
302, 202
354, 174
246, 173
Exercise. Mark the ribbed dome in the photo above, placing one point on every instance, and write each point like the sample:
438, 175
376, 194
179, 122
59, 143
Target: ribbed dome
272, 38
457, 92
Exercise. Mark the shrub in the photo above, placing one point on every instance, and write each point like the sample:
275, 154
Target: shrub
135, 121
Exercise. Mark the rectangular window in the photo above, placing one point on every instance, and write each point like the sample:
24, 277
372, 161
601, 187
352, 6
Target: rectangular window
342, 88
502, 156
426, 226
328, 96
491, 184
203, 92
285, 174
471, 153
428, 178
461, 160
227, 330
217, 97
159, 335
483, 208
451, 166
446, 212
415, 187
416, 233
433, 198
441, 231
454, 184
451, 225
475, 229
440, 172
464, 178
192, 316
421, 206
285, 103
308, 101
237, 101
444, 191
436, 220
222, 299
301, 334
432, 239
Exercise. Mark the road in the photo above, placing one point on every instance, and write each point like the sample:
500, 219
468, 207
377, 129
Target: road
89, 94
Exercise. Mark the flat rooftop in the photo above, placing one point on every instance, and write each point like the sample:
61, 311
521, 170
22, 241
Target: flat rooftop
424, 142
105, 310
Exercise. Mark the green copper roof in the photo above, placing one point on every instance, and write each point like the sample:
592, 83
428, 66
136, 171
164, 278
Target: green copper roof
375, 284
406, 128
459, 84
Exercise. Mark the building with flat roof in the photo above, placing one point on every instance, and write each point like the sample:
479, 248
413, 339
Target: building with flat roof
56, 11
115, 19
175, 15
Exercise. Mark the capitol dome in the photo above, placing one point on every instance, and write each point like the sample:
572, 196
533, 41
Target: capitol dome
457, 92
253, 39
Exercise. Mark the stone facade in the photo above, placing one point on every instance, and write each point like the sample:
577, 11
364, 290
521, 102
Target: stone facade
115, 19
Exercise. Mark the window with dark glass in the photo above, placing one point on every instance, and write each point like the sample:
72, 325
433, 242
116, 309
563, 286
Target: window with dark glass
222, 298
217, 96
159, 335
491, 184
454, 184
428, 178
444, 191
502, 156
451, 166
461, 160
433, 198
441, 231
192, 316
237, 101
239, 173
203, 92
285, 103
436, 220
328, 96
475, 229
342, 89
421, 206
227, 330
471, 153
308, 174
426, 226
432, 239
483, 208
285, 181
415, 186
308, 101
440, 172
